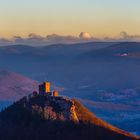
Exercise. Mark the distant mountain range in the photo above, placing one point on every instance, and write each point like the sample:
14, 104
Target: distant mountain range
44, 117
100, 63
100, 72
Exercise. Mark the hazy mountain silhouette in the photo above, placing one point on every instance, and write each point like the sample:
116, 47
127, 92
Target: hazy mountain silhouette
13, 86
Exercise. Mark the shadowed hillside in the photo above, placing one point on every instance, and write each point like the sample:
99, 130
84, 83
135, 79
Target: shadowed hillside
86, 116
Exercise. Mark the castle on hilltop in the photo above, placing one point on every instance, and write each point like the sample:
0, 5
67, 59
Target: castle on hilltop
45, 90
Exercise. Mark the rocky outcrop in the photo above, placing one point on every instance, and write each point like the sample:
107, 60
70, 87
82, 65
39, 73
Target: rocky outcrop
51, 108
73, 113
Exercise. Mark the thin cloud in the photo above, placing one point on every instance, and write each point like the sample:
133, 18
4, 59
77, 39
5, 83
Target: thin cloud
126, 37
4, 41
38, 40
54, 38
85, 36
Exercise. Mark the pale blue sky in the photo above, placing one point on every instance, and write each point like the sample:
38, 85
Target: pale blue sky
98, 17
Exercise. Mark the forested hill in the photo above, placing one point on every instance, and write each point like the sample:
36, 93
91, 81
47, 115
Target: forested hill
55, 118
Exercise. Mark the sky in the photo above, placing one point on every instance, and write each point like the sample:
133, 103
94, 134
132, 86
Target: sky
99, 18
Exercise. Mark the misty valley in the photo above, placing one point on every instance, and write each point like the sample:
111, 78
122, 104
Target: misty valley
104, 76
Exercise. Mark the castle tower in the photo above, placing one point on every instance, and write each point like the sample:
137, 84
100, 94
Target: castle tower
47, 87
55, 93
